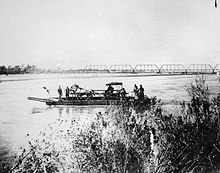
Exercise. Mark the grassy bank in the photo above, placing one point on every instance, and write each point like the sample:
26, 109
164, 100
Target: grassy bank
133, 138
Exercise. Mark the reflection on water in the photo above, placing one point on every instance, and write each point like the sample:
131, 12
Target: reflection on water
19, 116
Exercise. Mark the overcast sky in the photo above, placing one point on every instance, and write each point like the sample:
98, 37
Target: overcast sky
74, 33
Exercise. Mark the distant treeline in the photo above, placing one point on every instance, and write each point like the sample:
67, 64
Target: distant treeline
17, 69
26, 69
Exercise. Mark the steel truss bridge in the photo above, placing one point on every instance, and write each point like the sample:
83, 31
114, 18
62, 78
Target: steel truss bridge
154, 69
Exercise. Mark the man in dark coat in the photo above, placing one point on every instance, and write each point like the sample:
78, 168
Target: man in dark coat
141, 93
60, 92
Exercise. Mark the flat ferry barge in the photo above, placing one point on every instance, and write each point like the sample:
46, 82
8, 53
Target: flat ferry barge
78, 96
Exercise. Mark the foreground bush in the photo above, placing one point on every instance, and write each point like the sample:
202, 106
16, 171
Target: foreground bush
190, 141
128, 138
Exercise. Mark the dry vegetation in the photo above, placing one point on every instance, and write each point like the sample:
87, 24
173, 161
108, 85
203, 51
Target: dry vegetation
128, 138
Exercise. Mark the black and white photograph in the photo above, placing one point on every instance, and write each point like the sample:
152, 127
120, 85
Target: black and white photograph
109, 86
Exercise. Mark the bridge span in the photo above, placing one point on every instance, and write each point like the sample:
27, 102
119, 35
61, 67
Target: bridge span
173, 68
146, 68
200, 68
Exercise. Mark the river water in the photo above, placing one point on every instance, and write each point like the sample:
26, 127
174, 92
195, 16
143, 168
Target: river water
21, 118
